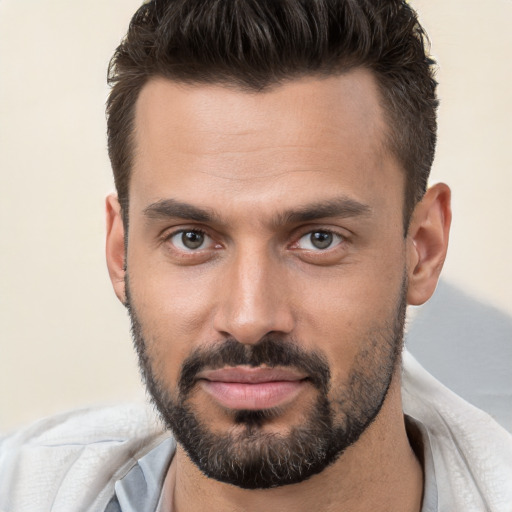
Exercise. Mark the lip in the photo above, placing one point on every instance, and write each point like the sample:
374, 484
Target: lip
250, 388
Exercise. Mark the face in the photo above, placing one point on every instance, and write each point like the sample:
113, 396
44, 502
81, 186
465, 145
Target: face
266, 270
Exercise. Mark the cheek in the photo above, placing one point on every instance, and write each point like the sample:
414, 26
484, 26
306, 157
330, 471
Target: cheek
351, 314
174, 312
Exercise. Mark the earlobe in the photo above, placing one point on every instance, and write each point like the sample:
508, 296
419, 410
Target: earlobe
427, 243
115, 250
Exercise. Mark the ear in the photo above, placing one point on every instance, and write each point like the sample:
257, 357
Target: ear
427, 243
115, 246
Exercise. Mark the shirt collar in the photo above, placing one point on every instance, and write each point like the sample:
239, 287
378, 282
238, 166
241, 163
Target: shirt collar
419, 438
139, 490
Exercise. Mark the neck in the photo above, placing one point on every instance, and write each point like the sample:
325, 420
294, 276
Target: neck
379, 472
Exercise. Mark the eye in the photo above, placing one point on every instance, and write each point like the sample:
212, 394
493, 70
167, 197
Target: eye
191, 240
319, 240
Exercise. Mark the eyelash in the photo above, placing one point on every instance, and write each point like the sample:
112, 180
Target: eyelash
167, 237
343, 239
335, 235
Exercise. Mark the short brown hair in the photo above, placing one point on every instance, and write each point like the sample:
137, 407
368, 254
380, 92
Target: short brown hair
254, 44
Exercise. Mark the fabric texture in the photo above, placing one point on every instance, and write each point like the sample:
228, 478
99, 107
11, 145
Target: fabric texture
70, 462
472, 453
76, 462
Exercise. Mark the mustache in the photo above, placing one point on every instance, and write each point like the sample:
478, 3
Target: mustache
270, 351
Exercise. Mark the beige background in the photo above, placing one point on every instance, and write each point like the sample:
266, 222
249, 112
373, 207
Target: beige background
64, 339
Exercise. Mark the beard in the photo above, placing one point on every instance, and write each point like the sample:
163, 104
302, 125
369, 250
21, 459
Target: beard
247, 455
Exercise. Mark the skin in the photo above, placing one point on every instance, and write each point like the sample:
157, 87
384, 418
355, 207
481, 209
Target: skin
250, 158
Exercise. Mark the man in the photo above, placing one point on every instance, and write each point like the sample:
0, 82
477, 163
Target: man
270, 226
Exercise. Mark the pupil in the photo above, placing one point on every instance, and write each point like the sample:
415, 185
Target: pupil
321, 240
192, 239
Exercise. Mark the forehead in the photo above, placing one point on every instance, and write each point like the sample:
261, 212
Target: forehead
298, 135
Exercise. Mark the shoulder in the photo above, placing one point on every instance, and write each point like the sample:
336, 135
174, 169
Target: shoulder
472, 452
73, 458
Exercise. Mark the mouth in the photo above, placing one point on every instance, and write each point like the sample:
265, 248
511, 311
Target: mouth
248, 388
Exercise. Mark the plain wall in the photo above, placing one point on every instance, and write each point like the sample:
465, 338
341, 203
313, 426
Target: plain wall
64, 338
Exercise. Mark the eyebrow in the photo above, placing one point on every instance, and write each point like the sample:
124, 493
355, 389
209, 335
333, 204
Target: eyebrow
171, 208
341, 207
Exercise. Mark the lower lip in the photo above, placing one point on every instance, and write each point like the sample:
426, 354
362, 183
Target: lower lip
263, 395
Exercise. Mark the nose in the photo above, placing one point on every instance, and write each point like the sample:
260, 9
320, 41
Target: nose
254, 300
